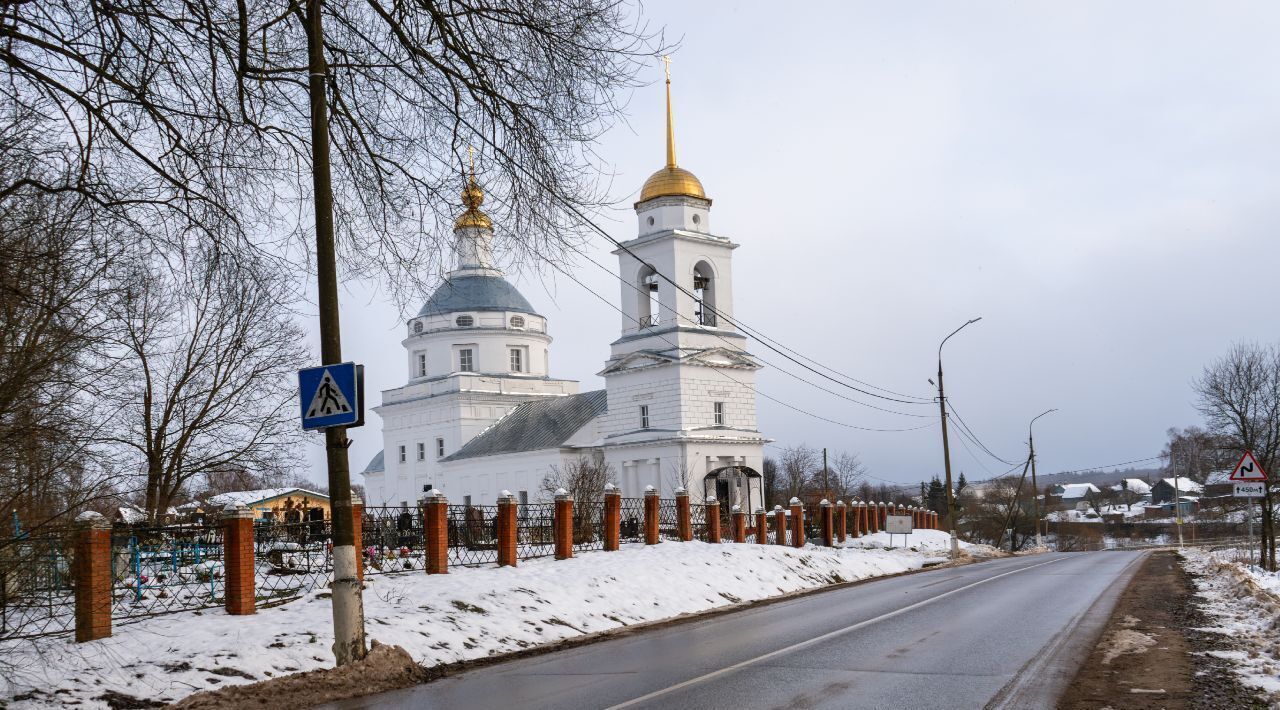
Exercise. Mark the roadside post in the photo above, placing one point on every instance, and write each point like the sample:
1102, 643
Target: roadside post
331, 398
1249, 481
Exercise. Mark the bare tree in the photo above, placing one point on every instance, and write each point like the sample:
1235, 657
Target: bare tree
771, 486
847, 474
193, 117
1239, 396
203, 378
795, 468
1194, 453
583, 477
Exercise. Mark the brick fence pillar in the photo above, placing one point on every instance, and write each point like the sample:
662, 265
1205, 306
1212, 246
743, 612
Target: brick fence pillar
855, 511
93, 577
684, 521
357, 529
612, 517
797, 523
873, 517
435, 528
712, 516
563, 525
762, 526
237, 560
507, 530
842, 523
827, 523
936, 526
651, 514
739, 524
779, 525
883, 512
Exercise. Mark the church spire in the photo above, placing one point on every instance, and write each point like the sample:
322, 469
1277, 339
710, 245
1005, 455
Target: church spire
671, 127
472, 197
473, 228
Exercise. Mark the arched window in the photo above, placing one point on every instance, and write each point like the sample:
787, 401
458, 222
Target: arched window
647, 297
517, 321
465, 321
704, 292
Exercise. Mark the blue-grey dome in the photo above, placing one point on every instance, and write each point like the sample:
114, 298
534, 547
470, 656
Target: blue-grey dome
475, 293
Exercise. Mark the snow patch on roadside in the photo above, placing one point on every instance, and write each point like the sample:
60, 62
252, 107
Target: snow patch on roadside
469, 613
1244, 602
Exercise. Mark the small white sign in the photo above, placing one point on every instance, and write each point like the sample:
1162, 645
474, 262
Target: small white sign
897, 524
1249, 490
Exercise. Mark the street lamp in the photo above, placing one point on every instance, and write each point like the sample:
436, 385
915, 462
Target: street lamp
946, 450
1035, 488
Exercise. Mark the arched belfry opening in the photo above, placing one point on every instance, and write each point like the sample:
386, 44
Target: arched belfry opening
704, 292
647, 307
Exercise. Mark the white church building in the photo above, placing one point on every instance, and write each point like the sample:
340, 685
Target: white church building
480, 412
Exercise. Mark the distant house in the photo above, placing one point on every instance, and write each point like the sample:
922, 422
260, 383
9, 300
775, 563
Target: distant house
1218, 484
281, 505
1136, 486
1073, 495
1162, 491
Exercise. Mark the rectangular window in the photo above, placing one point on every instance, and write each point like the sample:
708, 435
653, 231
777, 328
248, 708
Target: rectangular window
517, 360
524, 497
422, 364
439, 448
465, 363
466, 500
422, 451
719, 407
402, 456
644, 416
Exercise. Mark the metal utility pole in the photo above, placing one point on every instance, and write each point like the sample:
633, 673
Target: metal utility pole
1035, 487
946, 448
348, 604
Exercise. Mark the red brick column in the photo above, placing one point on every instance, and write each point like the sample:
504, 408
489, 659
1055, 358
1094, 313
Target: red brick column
237, 560
797, 523
357, 527
936, 524
712, 516
563, 525
865, 515
684, 521
884, 513
827, 523
651, 516
93, 577
435, 524
842, 521
873, 517
739, 524
507, 509
762, 526
612, 517
779, 525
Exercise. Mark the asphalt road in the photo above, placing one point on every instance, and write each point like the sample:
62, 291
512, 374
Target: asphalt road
1008, 633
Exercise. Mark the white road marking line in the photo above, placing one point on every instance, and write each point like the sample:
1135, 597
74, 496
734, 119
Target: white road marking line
819, 639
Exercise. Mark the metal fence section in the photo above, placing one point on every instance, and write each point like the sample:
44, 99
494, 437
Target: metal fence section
393, 540
698, 518
473, 534
37, 592
588, 525
535, 534
165, 569
291, 559
631, 528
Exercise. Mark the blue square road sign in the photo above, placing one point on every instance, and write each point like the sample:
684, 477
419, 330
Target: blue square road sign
331, 395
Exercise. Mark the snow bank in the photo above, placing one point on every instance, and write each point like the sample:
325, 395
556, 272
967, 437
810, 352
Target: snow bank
1244, 602
469, 613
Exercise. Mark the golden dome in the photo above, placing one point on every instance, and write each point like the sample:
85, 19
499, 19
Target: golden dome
672, 180
473, 197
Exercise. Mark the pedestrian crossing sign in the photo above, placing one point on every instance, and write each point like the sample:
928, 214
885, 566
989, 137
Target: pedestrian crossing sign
331, 395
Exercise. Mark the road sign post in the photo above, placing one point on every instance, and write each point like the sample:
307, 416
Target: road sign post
1249, 481
331, 396
897, 525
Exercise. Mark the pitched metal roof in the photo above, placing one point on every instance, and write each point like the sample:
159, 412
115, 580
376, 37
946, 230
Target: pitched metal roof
376, 465
540, 424
475, 292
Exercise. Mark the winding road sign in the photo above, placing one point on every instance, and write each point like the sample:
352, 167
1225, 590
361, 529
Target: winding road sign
1248, 469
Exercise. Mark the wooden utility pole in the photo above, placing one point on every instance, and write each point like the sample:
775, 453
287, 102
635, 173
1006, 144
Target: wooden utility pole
348, 604
946, 447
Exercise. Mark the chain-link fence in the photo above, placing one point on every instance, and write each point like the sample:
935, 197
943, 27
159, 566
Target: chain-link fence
37, 591
291, 559
165, 569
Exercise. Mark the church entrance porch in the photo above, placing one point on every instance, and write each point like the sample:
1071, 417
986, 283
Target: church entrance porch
733, 485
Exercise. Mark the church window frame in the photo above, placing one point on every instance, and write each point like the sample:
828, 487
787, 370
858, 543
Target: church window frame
439, 447
422, 364
404, 455
517, 322
718, 413
464, 321
644, 416
648, 300
417, 326
466, 360
704, 294
422, 451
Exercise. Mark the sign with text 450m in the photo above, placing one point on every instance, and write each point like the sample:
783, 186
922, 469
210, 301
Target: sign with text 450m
332, 395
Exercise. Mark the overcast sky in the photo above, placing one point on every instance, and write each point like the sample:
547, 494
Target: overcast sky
1098, 181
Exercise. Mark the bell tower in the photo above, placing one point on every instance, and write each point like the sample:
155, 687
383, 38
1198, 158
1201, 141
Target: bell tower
681, 384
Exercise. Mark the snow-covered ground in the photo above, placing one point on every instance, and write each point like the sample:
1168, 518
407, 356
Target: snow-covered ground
1244, 602
469, 613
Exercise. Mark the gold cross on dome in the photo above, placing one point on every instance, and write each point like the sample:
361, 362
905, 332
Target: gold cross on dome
666, 66
471, 159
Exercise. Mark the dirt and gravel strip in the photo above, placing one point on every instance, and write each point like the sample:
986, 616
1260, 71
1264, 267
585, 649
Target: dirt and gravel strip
1152, 656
